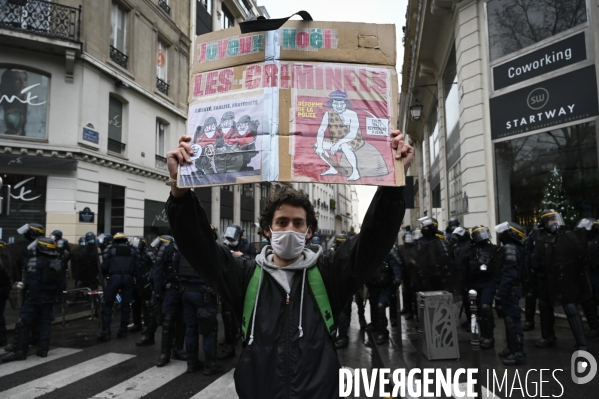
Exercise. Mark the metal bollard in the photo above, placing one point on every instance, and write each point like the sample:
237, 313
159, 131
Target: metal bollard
475, 341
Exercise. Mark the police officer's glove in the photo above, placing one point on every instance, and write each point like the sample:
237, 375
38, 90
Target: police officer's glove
396, 282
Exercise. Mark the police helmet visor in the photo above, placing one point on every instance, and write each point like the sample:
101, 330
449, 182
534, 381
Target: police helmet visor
481, 234
101, 238
502, 227
586, 224
155, 243
427, 221
458, 231
232, 234
136, 242
552, 219
23, 229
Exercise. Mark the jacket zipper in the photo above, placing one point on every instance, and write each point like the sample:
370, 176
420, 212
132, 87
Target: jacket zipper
287, 344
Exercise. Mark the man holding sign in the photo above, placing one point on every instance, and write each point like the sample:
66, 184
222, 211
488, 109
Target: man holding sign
286, 301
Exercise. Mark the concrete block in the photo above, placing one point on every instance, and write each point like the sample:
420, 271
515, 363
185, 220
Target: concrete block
466, 71
471, 114
473, 98
468, 56
467, 14
467, 42
471, 129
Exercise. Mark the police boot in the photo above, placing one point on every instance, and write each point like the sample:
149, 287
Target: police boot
147, 337
590, 312
122, 332
510, 337
42, 351
529, 312
576, 325
517, 357
194, 365
135, 328
487, 340
230, 336
165, 344
146, 340
21, 346
179, 354
104, 336
393, 310
547, 326
383, 333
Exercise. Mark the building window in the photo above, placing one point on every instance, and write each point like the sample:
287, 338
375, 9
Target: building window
161, 127
118, 35
23, 102
556, 169
207, 4
247, 190
264, 190
227, 20
162, 67
115, 126
164, 5
516, 24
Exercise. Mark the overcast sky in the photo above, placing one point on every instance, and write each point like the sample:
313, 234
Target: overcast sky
370, 11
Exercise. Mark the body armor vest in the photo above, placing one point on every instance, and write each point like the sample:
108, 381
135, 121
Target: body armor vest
48, 269
122, 261
507, 253
481, 260
383, 275
148, 262
594, 254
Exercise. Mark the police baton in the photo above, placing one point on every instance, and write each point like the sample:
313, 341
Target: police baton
475, 341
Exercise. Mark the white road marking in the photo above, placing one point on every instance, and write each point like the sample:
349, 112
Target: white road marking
32, 361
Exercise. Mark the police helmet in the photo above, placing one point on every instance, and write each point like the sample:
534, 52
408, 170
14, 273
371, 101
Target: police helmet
510, 231
214, 232
460, 234
82, 242
90, 238
451, 225
481, 233
551, 220
138, 242
104, 238
119, 237
46, 245
316, 240
408, 237
228, 115
232, 235
162, 240
428, 226
56, 235
588, 224
340, 239
2, 244
31, 231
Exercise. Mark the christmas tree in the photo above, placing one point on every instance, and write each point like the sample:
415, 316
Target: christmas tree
554, 197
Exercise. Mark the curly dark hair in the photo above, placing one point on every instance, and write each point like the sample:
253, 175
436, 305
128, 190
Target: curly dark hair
290, 196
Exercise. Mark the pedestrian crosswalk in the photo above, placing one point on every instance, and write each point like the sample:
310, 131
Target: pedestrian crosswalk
138, 386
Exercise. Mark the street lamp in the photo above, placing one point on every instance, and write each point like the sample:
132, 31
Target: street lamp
416, 109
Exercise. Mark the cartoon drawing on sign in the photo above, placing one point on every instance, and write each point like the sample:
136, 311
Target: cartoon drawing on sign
227, 150
345, 134
242, 140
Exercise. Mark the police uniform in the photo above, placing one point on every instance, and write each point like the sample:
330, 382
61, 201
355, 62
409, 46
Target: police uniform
460, 244
121, 264
168, 289
510, 259
43, 278
531, 279
482, 277
5, 285
591, 227
64, 251
142, 292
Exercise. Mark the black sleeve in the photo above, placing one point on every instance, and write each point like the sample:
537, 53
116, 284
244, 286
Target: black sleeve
346, 269
215, 264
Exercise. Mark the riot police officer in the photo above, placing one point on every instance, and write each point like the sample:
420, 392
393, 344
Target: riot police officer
121, 264
510, 258
591, 227
380, 286
530, 284
5, 284
142, 294
407, 293
546, 252
451, 226
460, 243
429, 227
233, 240
168, 290
43, 279
64, 251
482, 277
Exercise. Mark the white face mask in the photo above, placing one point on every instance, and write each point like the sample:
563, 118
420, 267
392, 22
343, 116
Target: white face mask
288, 244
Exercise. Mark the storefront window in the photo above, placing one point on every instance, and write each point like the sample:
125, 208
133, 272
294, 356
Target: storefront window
516, 24
27, 204
558, 168
155, 220
23, 102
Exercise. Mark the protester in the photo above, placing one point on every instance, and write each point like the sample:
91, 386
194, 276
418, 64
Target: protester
282, 311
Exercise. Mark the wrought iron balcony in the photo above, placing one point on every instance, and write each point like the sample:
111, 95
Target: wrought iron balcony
42, 18
116, 146
160, 162
162, 86
163, 4
118, 57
